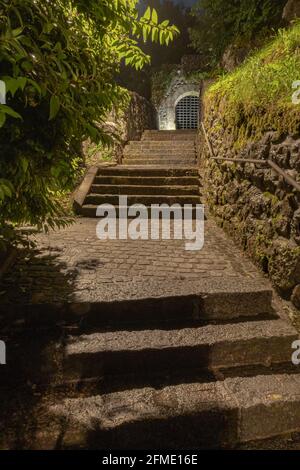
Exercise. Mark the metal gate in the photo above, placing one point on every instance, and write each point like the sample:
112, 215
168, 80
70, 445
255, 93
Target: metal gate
187, 113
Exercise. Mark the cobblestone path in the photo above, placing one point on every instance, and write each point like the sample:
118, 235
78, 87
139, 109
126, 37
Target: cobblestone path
74, 265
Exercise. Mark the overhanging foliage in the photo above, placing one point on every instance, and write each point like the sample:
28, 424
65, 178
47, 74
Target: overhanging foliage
59, 61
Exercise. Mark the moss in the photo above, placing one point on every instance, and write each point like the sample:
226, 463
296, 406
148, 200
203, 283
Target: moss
217, 127
259, 246
271, 197
285, 268
262, 240
277, 218
200, 75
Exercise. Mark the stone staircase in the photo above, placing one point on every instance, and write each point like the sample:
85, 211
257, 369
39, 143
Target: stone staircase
153, 172
162, 148
178, 135
142, 186
207, 370
182, 372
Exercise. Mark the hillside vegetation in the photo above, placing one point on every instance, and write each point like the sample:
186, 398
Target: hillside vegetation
257, 97
220, 24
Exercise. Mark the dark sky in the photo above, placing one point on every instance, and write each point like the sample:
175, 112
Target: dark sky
187, 3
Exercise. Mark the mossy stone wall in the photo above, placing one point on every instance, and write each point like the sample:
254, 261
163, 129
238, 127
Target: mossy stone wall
254, 204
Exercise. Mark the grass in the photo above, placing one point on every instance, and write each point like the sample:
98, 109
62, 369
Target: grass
257, 96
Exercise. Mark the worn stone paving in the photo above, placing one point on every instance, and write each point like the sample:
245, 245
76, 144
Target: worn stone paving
74, 265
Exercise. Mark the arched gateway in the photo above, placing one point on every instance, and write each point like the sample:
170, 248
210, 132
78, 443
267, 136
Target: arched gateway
179, 109
187, 111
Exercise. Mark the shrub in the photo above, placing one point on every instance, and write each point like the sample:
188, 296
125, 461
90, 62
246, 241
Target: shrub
59, 61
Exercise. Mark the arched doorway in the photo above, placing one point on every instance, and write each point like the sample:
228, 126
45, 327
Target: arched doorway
187, 112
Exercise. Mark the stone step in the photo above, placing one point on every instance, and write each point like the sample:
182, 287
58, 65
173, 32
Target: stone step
148, 180
157, 171
158, 152
220, 302
190, 137
90, 210
169, 132
183, 158
141, 189
164, 141
186, 159
147, 200
169, 135
164, 144
151, 352
158, 161
248, 300
218, 415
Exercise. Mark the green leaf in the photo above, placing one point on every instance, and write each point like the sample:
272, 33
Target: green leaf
145, 33
16, 32
24, 164
6, 187
27, 66
47, 28
154, 34
147, 14
2, 119
35, 85
14, 84
9, 111
54, 107
154, 16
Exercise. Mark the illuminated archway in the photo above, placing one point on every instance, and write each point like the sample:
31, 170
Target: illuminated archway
187, 111
179, 89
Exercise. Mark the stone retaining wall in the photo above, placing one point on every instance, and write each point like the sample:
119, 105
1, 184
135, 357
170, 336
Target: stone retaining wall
130, 125
139, 116
127, 125
255, 205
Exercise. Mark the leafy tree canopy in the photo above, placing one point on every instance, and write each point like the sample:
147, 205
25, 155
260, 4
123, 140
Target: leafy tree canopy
59, 60
161, 55
222, 22
180, 14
